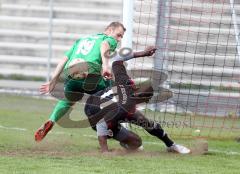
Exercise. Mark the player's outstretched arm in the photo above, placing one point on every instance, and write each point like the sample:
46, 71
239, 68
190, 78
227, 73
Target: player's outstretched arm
102, 133
149, 51
49, 86
103, 143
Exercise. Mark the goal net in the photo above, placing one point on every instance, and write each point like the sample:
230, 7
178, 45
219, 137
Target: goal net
198, 45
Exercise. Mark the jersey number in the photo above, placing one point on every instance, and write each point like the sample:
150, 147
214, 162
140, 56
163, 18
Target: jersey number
85, 46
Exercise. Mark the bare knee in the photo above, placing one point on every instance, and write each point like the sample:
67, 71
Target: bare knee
133, 142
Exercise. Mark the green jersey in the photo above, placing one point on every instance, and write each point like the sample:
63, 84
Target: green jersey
89, 49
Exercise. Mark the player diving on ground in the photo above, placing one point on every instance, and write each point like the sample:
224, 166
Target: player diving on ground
108, 108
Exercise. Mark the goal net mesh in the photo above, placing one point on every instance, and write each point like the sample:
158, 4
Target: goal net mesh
198, 48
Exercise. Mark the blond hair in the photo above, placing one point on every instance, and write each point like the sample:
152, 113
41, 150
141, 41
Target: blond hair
114, 25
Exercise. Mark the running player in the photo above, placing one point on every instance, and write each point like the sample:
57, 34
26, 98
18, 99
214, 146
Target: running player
95, 51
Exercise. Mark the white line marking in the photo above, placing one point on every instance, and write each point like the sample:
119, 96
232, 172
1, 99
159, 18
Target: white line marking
224, 152
155, 143
59, 133
13, 128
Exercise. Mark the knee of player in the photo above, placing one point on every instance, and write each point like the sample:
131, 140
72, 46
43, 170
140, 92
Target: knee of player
133, 142
137, 142
73, 96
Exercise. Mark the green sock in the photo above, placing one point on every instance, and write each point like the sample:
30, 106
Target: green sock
61, 108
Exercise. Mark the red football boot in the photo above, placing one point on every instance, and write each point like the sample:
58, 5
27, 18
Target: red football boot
43, 130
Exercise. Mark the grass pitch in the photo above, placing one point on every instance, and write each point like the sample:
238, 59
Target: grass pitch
76, 150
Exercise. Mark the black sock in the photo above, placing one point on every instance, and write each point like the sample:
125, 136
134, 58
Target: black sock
168, 142
159, 132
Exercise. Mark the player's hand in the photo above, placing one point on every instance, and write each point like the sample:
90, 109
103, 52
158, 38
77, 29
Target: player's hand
149, 51
47, 87
106, 73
